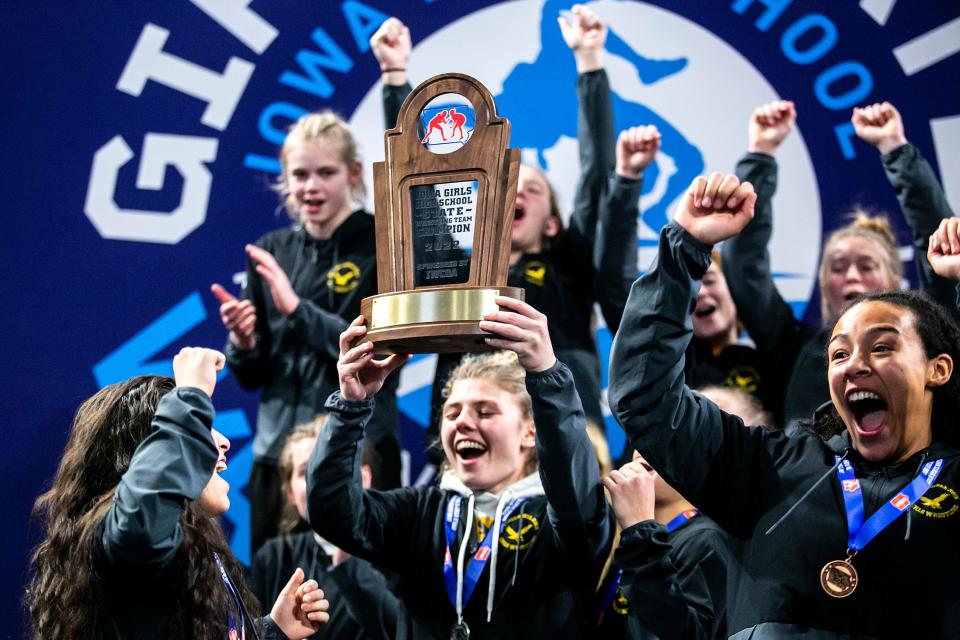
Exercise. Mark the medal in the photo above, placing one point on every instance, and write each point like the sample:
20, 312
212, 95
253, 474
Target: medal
838, 578
460, 631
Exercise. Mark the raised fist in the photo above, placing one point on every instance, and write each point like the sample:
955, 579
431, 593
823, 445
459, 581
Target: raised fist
879, 124
586, 35
769, 125
391, 46
197, 367
716, 208
636, 148
943, 250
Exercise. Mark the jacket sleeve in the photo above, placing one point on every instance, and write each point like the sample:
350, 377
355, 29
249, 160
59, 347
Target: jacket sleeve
369, 598
577, 507
617, 242
605, 214
704, 453
318, 328
595, 143
746, 266
924, 205
376, 525
270, 630
141, 529
393, 97
675, 593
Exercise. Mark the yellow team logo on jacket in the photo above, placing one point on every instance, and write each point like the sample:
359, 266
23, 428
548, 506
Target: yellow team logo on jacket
343, 277
620, 605
519, 532
940, 501
535, 272
743, 378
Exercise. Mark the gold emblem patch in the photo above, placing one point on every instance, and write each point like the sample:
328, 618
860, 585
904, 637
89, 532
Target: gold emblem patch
940, 501
744, 378
343, 277
620, 605
519, 532
535, 272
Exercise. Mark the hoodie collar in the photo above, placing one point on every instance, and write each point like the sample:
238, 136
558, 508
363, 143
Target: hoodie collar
530, 485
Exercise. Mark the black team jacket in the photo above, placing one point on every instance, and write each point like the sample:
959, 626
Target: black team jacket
746, 479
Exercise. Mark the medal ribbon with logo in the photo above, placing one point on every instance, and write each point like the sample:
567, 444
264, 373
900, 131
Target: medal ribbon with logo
460, 586
838, 577
234, 631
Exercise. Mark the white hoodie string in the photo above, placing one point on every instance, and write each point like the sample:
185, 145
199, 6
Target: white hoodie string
460, 556
494, 546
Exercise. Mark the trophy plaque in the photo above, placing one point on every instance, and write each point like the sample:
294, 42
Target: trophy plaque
444, 201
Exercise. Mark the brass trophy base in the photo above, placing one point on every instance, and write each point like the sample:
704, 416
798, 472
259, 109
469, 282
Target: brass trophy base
431, 319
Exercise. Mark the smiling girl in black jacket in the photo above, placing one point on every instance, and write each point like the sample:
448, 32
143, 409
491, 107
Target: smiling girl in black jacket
499, 547
810, 567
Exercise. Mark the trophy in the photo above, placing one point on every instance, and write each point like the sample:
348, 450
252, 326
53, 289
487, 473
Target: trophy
444, 201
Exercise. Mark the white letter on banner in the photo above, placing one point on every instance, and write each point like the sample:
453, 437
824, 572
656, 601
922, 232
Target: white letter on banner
186, 153
946, 141
236, 17
879, 10
930, 48
221, 92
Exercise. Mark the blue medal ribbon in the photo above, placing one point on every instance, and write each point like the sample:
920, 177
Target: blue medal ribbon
471, 575
681, 520
232, 627
860, 533
613, 584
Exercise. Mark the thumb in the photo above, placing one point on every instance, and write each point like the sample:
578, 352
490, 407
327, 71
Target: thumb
749, 203
222, 294
295, 580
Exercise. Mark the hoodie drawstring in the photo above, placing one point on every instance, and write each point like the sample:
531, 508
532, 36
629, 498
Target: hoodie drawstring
494, 546
467, 531
796, 504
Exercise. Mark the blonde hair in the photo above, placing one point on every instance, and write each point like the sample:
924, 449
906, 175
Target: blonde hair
503, 369
289, 518
500, 367
324, 127
741, 404
862, 225
601, 448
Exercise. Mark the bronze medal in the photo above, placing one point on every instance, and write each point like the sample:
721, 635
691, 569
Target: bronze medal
838, 578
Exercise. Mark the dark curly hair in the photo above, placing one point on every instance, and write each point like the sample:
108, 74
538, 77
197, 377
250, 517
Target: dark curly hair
939, 334
106, 431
